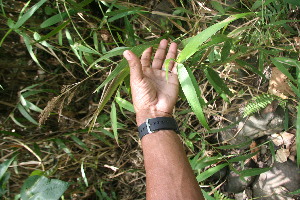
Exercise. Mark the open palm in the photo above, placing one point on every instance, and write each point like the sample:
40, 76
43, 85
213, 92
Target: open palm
153, 95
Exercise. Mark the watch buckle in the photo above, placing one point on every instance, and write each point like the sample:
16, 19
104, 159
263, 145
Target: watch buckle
148, 126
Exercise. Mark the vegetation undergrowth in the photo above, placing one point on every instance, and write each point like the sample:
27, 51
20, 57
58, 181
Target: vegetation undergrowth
66, 113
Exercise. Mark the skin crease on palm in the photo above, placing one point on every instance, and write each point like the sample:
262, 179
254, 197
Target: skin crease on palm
168, 172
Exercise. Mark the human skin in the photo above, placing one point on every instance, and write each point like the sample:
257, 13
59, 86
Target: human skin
168, 172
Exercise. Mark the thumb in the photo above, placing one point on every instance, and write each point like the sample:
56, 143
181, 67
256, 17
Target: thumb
136, 72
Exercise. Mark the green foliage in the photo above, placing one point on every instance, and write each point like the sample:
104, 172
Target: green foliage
4, 175
39, 187
259, 102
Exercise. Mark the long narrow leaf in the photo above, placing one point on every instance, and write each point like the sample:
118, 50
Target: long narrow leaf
190, 92
28, 14
114, 122
298, 136
195, 42
208, 173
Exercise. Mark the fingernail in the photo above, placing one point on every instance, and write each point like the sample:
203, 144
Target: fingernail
127, 55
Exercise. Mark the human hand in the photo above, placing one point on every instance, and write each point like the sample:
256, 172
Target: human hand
152, 95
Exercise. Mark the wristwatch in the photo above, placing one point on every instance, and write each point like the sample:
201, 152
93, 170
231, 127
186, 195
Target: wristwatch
155, 124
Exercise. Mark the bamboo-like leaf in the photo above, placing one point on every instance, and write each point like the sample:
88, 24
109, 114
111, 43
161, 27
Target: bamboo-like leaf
195, 42
192, 93
63, 146
28, 14
57, 18
83, 175
125, 104
215, 80
79, 142
113, 119
54, 31
253, 172
26, 114
242, 158
298, 135
206, 195
4, 166
283, 69
208, 173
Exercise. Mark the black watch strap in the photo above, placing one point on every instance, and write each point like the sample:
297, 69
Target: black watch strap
155, 124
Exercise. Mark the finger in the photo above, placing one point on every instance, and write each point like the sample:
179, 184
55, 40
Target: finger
136, 72
146, 57
160, 54
172, 53
174, 70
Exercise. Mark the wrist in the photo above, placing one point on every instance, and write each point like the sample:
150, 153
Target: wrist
143, 115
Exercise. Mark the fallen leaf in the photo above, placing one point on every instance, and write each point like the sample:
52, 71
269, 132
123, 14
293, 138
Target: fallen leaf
284, 138
282, 155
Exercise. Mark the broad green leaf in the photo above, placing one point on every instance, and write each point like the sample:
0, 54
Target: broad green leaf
208, 173
125, 104
79, 142
192, 93
196, 41
28, 14
40, 187
26, 114
253, 172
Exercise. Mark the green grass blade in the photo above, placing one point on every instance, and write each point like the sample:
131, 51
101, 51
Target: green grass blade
206, 195
192, 93
28, 14
195, 42
208, 173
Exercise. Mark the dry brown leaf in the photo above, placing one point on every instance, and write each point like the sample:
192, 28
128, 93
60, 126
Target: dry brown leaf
282, 155
283, 138
253, 149
278, 84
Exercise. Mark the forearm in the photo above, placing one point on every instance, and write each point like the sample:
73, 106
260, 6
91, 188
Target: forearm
169, 174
